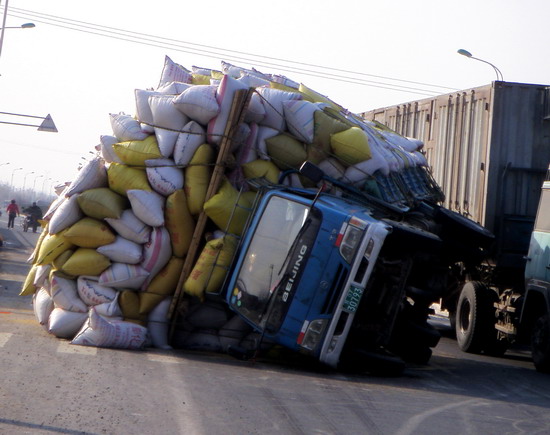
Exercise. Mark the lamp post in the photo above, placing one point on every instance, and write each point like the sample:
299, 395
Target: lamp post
11, 179
25, 180
44, 184
3, 28
34, 183
467, 54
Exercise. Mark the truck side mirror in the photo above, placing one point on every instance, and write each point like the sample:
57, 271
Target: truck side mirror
311, 171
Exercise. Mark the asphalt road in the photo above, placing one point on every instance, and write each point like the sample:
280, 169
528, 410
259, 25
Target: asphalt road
51, 387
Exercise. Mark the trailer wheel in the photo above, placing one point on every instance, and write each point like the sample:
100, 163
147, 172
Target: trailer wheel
540, 344
475, 318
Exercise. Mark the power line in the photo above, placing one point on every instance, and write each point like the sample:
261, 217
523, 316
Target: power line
216, 52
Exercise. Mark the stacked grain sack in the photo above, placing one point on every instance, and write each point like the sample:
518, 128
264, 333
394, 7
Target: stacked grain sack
110, 257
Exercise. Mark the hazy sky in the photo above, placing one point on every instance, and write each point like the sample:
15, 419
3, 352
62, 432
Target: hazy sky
349, 51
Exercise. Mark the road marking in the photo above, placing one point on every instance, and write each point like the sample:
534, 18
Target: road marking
4, 337
67, 347
163, 358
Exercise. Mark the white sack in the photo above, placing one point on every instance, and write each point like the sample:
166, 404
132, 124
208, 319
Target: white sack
147, 206
126, 128
107, 151
299, 116
273, 104
99, 332
65, 324
92, 293
168, 122
65, 295
188, 141
156, 253
224, 96
198, 103
173, 72
164, 177
122, 275
42, 305
130, 227
122, 251
92, 175
67, 213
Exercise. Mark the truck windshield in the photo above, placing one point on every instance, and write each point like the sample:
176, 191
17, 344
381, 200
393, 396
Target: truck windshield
264, 260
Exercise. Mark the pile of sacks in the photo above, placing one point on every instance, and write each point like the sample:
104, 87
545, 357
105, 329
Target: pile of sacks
111, 252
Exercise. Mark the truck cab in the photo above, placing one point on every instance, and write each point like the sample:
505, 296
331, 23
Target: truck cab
536, 306
319, 274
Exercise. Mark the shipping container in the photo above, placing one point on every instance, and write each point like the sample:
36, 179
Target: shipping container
489, 149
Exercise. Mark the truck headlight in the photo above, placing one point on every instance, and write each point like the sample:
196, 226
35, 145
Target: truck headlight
350, 242
313, 334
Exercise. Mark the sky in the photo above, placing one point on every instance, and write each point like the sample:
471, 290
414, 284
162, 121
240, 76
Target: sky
83, 60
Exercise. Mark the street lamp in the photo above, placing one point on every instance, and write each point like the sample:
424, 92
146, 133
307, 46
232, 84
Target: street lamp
11, 180
34, 183
25, 180
3, 28
469, 55
44, 184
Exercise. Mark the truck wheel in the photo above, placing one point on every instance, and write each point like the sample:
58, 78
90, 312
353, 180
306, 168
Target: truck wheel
540, 344
475, 319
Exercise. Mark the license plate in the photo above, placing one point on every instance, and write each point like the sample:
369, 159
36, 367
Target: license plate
352, 299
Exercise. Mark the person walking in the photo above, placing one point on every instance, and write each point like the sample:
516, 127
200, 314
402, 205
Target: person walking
13, 210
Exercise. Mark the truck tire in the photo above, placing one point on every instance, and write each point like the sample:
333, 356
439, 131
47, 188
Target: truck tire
475, 318
540, 344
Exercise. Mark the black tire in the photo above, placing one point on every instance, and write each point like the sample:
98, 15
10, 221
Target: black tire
540, 344
475, 318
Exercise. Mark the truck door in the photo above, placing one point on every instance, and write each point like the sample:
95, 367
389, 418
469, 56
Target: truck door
538, 264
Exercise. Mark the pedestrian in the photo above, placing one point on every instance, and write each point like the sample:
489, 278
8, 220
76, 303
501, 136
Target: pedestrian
13, 210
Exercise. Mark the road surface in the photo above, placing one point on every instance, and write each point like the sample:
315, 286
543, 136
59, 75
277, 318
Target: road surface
51, 387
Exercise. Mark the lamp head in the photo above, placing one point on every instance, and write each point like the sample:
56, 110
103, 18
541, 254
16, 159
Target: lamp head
27, 25
464, 52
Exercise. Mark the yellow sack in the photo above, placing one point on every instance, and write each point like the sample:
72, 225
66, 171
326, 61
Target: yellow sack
90, 233
52, 246
163, 284
220, 207
351, 146
197, 177
123, 178
316, 97
135, 152
86, 261
129, 305
324, 126
211, 267
101, 203
286, 152
61, 259
179, 222
200, 79
28, 286
34, 255
261, 168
